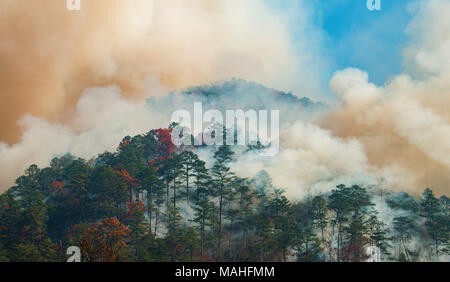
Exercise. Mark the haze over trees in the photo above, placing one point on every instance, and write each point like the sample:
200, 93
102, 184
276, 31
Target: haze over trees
151, 201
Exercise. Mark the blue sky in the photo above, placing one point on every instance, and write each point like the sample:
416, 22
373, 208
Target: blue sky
353, 36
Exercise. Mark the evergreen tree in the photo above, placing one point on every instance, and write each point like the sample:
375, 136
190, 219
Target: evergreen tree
284, 231
405, 230
188, 161
435, 222
222, 180
107, 192
320, 214
340, 205
150, 183
307, 245
125, 206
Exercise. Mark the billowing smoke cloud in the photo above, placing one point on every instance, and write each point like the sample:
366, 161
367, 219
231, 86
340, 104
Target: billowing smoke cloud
311, 160
404, 125
399, 132
102, 118
399, 129
49, 55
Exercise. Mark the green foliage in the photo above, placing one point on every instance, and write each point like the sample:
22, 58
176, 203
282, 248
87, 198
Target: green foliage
436, 222
150, 201
307, 246
403, 201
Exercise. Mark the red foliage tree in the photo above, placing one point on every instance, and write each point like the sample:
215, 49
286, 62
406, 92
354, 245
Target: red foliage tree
166, 147
59, 185
133, 207
101, 242
127, 177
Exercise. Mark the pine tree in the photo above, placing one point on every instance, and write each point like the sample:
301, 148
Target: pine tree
173, 221
168, 170
436, 223
307, 245
222, 179
320, 214
151, 184
405, 230
339, 204
284, 231
246, 198
188, 161
202, 205
107, 193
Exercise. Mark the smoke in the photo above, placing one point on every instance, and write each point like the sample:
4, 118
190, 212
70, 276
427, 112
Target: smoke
51, 55
101, 118
311, 160
398, 132
405, 124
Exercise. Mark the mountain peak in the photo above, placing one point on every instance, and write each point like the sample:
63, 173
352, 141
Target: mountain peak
248, 90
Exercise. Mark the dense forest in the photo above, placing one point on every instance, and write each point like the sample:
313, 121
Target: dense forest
151, 201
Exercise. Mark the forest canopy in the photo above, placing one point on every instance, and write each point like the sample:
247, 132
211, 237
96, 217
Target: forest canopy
151, 201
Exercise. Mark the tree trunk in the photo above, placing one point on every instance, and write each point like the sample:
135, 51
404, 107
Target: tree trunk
149, 207
187, 187
220, 220
168, 196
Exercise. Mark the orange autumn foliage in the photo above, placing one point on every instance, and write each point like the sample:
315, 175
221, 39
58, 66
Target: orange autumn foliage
126, 175
165, 141
57, 185
104, 241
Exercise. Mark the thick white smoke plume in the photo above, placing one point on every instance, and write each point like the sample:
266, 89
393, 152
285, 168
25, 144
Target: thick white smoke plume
404, 126
102, 118
399, 132
51, 55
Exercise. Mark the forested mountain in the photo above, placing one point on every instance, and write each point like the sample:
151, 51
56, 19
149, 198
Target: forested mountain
152, 201
238, 94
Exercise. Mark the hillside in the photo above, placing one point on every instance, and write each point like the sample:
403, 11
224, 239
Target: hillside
150, 201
